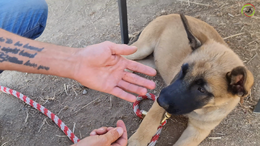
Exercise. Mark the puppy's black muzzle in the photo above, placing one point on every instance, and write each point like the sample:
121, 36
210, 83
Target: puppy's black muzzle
182, 97
175, 99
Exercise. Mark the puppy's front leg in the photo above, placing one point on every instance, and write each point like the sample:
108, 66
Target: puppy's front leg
148, 127
192, 136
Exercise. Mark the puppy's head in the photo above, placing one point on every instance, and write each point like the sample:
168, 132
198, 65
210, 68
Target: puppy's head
211, 75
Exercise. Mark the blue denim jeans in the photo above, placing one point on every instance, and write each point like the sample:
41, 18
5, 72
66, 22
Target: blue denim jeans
26, 18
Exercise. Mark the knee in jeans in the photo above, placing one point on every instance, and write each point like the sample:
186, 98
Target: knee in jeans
41, 13
24, 17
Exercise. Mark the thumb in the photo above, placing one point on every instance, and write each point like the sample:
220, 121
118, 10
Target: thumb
121, 49
112, 135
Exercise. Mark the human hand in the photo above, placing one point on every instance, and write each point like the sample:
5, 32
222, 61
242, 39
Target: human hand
106, 136
101, 67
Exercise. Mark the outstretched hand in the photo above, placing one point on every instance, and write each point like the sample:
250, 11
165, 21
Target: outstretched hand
101, 67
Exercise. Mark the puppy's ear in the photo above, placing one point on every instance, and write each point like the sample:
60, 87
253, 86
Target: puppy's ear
240, 82
194, 42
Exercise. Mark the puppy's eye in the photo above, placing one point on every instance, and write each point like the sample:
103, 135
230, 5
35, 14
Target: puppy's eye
201, 90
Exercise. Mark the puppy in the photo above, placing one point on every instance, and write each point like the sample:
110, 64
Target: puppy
205, 79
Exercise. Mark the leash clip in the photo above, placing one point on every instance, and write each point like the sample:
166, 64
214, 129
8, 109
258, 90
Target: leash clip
144, 113
166, 117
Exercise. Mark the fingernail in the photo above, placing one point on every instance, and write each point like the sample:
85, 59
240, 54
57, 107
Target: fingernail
93, 133
120, 131
102, 129
153, 85
144, 91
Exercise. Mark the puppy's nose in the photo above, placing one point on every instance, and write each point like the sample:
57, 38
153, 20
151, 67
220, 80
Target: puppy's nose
162, 103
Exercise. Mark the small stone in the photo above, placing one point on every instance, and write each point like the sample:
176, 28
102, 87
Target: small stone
219, 14
163, 12
85, 92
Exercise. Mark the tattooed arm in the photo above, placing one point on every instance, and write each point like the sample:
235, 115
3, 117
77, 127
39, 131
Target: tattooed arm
99, 66
25, 55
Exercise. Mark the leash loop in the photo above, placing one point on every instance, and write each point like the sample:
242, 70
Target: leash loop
141, 114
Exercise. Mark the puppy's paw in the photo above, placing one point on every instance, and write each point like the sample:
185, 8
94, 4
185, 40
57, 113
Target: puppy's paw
136, 140
133, 142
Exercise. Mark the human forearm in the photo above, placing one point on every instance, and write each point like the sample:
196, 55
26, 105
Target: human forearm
25, 55
99, 67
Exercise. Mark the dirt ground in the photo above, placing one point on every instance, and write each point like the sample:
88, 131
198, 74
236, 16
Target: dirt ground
80, 23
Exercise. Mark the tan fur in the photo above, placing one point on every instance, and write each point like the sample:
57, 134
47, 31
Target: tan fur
167, 39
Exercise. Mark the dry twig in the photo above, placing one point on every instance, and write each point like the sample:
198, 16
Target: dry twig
251, 42
43, 122
74, 125
233, 35
65, 88
65, 107
74, 91
111, 104
4, 143
252, 58
60, 135
87, 104
27, 115
196, 3
80, 134
230, 15
214, 138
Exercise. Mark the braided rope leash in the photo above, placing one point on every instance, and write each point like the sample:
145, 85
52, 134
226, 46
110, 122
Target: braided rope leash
42, 109
141, 114
67, 131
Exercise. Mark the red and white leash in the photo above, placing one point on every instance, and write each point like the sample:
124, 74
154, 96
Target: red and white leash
45, 111
66, 130
142, 113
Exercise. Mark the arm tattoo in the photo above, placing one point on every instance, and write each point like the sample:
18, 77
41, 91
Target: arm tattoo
18, 44
2, 39
25, 54
10, 50
28, 63
20, 49
27, 46
5, 57
9, 41
43, 67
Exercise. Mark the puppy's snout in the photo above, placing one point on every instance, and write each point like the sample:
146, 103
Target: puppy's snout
163, 103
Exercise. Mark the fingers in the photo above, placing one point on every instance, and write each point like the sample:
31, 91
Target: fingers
121, 49
123, 95
93, 133
122, 141
138, 67
132, 88
120, 123
109, 128
99, 131
135, 79
113, 135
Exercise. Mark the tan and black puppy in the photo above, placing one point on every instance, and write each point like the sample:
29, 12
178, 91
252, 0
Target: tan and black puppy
205, 79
